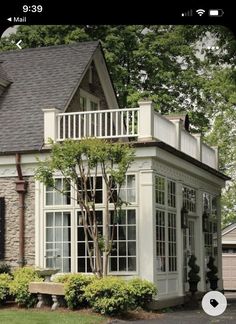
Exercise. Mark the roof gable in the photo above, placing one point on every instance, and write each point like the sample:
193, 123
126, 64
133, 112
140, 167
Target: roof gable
41, 78
228, 229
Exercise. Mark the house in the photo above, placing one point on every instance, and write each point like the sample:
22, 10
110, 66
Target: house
229, 257
173, 187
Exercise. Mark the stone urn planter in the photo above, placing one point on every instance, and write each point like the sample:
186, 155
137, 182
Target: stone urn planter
46, 273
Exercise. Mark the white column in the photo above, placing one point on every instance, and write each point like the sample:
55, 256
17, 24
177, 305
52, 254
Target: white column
146, 237
146, 121
50, 124
39, 225
199, 146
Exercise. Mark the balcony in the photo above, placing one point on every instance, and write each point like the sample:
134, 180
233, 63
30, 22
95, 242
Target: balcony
136, 124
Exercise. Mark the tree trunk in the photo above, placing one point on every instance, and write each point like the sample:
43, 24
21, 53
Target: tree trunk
106, 237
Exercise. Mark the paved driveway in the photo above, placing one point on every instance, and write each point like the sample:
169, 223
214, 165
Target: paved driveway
192, 316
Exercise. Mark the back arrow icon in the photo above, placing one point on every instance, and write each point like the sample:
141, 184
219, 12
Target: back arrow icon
18, 44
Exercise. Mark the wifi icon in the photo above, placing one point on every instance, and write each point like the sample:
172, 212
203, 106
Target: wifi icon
200, 12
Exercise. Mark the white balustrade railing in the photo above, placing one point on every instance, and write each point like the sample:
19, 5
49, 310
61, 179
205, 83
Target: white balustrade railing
142, 124
101, 123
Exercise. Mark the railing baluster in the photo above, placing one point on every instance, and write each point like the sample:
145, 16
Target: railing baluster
69, 120
64, 126
95, 124
58, 128
90, 124
106, 126
74, 130
79, 125
100, 125
122, 123
127, 122
111, 122
132, 122
116, 130
85, 124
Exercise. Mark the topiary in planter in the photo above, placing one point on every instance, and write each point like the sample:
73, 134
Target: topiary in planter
193, 274
211, 275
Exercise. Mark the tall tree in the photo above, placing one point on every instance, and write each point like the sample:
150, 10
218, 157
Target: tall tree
79, 163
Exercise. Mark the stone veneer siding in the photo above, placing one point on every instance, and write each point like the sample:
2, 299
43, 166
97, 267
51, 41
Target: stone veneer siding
95, 89
8, 190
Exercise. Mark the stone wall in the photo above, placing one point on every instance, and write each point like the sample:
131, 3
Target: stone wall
7, 190
94, 88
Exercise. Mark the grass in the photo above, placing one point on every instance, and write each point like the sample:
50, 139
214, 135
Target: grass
19, 316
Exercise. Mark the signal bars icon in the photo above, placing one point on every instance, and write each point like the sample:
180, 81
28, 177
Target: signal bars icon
188, 13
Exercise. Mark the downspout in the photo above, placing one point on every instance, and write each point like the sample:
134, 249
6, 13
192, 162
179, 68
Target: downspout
21, 188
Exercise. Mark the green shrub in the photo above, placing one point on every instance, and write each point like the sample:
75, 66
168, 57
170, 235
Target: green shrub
19, 286
62, 278
5, 280
74, 288
141, 291
108, 295
5, 268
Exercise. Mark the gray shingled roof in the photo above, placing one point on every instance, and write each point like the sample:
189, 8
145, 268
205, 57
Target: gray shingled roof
42, 78
3, 75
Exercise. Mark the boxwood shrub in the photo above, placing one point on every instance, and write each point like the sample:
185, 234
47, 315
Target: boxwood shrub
75, 285
19, 286
142, 292
5, 280
108, 295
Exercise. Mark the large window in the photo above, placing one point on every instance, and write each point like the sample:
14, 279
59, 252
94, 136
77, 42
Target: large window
160, 240
210, 208
172, 242
166, 243
60, 195
58, 240
123, 256
83, 260
65, 243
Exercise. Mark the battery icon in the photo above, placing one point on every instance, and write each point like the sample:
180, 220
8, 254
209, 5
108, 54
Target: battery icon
216, 12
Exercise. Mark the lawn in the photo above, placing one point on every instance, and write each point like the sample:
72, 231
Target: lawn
10, 316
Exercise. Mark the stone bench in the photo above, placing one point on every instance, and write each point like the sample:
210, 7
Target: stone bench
47, 288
